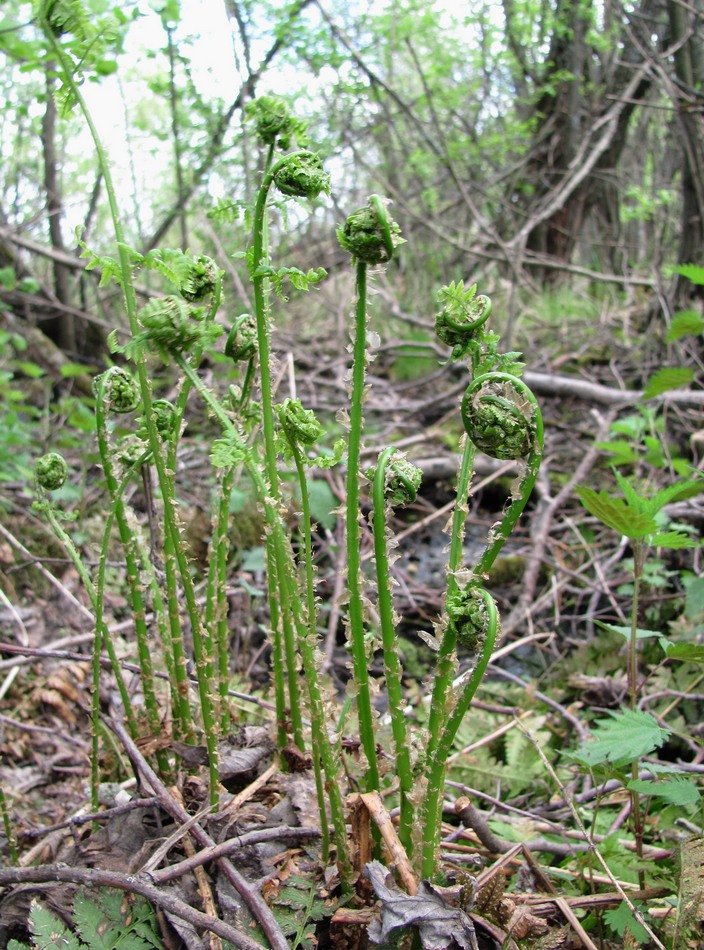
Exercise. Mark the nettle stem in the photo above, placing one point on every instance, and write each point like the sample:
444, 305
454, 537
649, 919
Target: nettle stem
639, 555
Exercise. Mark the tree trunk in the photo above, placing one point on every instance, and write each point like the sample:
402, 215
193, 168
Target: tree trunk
686, 26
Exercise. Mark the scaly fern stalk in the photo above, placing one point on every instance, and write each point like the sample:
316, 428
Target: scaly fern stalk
116, 390
360, 659
474, 617
371, 237
102, 634
395, 482
282, 581
169, 503
299, 173
446, 659
300, 427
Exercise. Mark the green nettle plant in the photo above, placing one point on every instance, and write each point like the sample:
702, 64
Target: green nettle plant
620, 742
500, 417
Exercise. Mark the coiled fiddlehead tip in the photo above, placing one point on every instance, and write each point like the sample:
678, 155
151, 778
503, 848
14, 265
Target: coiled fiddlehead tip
120, 388
462, 316
173, 325
165, 418
201, 280
242, 339
500, 416
468, 617
274, 122
370, 234
51, 471
402, 479
300, 425
301, 175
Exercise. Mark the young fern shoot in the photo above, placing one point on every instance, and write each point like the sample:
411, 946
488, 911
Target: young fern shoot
371, 237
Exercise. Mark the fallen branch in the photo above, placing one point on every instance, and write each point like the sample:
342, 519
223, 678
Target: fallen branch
94, 877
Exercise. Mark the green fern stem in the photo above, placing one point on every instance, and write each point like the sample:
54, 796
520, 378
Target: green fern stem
102, 638
127, 284
358, 642
392, 663
216, 601
445, 663
323, 753
274, 551
436, 765
282, 590
130, 546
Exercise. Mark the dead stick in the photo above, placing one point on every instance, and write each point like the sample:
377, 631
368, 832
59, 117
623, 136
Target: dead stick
377, 810
94, 877
254, 900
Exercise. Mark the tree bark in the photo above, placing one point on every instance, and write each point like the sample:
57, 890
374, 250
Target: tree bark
686, 26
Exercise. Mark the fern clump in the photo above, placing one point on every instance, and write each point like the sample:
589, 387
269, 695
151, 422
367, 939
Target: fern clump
107, 920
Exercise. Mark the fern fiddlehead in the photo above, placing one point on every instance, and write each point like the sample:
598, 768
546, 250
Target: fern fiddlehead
502, 419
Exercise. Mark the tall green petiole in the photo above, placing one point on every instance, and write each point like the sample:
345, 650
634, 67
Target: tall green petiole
117, 392
395, 482
170, 513
371, 237
502, 419
473, 619
301, 428
298, 174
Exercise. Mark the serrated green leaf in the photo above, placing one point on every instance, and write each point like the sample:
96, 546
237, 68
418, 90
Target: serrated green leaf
48, 932
29, 369
687, 652
694, 599
616, 513
625, 632
625, 737
69, 370
676, 790
621, 919
91, 923
666, 379
674, 540
692, 272
685, 323
621, 448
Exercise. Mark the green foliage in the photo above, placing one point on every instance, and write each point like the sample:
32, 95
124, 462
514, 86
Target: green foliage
675, 790
621, 920
108, 921
685, 323
624, 737
667, 379
693, 273
634, 515
298, 907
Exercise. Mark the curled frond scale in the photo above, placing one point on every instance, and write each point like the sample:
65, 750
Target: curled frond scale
51, 471
499, 416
